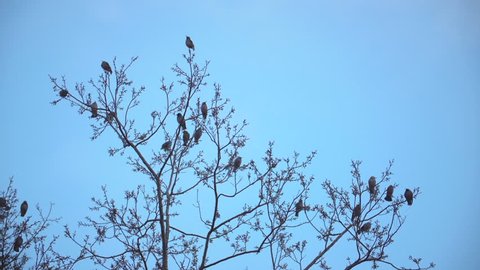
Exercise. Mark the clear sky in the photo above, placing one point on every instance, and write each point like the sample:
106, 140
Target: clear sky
368, 80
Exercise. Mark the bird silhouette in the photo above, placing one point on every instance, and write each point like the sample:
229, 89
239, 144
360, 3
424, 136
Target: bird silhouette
197, 134
94, 109
166, 146
106, 67
388, 196
298, 207
23, 208
365, 227
186, 137
189, 43
63, 93
357, 210
236, 163
18, 243
204, 110
409, 196
181, 121
372, 182
110, 117
3, 202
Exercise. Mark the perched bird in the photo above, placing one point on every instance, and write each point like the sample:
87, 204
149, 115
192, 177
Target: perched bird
3, 202
63, 93
23, 208
236, 163
197, 134
298, 207
409, 196
18, 243
166, 146
186, 137
189, 43
204, 110
106, 67
181, 121
389, 195
357, 210
110, 116
94, 108
365, 227
372, 182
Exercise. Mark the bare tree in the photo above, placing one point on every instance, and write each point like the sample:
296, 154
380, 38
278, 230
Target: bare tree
24, 242
204, 202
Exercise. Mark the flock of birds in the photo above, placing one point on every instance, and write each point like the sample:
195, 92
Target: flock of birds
299, 206
166, 146
23, 211
357, 210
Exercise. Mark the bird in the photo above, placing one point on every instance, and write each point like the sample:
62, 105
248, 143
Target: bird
186, 137
94, 108
365, 227
23, 208
409, 196
236, 163
181, 121
197, 134
110, 116
204, 110
389, 195
189, 43
18, 243
298, 207
166, 146
106, 67
372, 182
63, 93
3, 202
356, 212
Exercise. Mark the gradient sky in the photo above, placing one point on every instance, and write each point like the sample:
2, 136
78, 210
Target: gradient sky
367, 80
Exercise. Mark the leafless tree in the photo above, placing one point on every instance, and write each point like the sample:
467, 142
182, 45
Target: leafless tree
204, 201
24, 241
358, 215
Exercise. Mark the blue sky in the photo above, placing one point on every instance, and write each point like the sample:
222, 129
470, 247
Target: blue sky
369, 80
